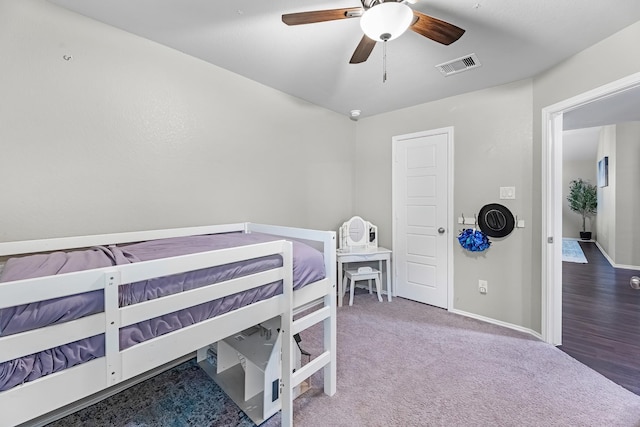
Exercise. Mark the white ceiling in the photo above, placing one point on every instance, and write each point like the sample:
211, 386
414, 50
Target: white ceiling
513, 39
619, 108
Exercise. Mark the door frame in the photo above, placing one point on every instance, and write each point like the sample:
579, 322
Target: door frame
552, 200
450, 225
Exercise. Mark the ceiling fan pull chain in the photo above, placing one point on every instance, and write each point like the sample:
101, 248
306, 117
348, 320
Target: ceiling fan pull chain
384, 61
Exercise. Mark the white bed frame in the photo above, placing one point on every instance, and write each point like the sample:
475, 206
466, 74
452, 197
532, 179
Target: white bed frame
55, 395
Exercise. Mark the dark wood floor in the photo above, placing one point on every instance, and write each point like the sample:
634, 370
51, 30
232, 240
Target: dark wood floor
601, 318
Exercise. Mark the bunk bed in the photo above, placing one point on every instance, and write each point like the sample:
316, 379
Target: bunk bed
153, 305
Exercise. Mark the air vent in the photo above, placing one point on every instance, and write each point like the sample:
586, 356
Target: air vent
459, 65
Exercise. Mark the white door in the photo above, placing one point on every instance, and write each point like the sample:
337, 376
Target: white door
421, 225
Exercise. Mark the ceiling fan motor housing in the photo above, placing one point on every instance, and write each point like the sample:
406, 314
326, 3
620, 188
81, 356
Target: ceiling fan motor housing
367, 4
386, 21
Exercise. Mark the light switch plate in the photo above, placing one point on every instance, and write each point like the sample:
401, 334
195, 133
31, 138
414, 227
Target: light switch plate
507, 193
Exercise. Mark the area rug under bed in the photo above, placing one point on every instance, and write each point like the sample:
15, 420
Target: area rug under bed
181, 396
572, 252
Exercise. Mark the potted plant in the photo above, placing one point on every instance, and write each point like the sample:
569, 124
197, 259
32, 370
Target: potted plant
583, 199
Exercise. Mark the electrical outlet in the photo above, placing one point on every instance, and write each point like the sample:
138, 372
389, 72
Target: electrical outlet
483, 286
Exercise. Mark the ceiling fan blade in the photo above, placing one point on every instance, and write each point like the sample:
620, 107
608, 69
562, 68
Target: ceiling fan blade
435, 29
321, 15
363, 50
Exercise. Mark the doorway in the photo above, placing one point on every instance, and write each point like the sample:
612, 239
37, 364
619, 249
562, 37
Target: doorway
422, 184
552, 128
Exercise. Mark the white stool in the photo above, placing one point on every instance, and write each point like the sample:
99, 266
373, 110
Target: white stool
362, 273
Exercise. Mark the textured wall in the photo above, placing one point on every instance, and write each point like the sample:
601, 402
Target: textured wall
627, 178
131, 135
606, 218
492, 148
581, 73
579, 155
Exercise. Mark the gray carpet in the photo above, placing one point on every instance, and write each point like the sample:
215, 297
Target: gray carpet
409, 364
403, 364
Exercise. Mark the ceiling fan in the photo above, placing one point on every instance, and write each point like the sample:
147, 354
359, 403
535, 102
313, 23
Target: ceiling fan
381, 21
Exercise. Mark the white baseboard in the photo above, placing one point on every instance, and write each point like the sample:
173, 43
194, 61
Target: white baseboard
498, 322
613, 264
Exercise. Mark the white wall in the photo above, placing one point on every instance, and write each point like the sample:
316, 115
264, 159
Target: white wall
581, 73
627, 178
492, 133
131, 135
579, 152
606, 218
618, 202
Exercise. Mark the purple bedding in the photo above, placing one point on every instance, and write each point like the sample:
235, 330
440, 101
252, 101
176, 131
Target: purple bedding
308, 267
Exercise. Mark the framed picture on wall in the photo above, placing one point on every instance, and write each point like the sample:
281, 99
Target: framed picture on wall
603, 172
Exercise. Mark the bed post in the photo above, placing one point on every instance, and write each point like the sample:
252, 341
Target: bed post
329, 336
288, 358
112, 283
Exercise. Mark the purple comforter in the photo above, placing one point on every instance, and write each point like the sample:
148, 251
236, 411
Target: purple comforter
308, 266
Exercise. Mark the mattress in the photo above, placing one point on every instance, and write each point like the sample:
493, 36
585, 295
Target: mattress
308, 267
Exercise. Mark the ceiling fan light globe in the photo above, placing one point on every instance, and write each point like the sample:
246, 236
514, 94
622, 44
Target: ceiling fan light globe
386, 21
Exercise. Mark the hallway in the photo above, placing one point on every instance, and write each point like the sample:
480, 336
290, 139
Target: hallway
601, 318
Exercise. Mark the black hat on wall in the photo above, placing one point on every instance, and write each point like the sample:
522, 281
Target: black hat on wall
496, 220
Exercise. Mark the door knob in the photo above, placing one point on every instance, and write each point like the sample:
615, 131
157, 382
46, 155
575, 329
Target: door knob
441, 230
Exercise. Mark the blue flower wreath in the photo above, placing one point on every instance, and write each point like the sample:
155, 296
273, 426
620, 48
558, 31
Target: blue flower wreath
473, 240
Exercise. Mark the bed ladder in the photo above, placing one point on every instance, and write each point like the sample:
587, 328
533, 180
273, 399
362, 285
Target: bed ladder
248, 366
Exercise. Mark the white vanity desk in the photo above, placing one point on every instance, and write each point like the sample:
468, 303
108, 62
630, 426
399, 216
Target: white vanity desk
363, 254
